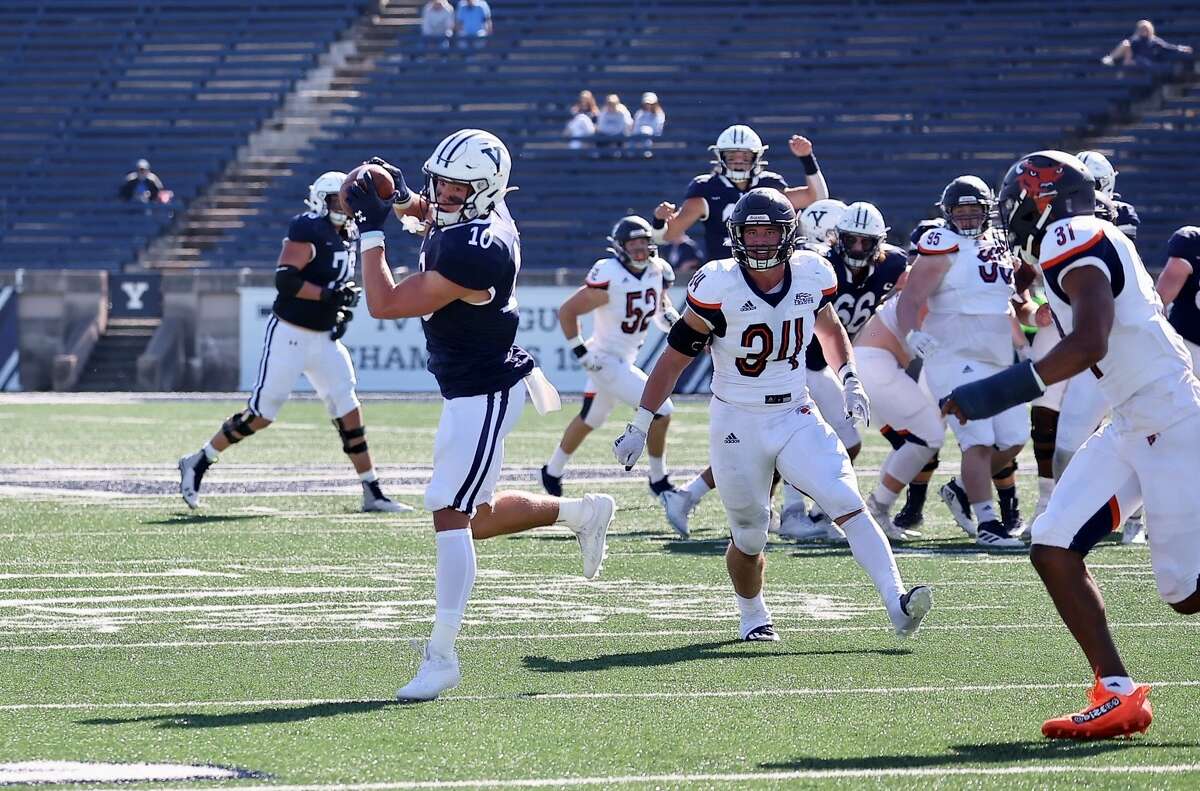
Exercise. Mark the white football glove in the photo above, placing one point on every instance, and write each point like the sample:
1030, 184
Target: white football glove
592, 361
628, 447
922, 344
858, 406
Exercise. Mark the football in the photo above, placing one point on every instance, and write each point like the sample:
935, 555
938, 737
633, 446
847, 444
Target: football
384, 185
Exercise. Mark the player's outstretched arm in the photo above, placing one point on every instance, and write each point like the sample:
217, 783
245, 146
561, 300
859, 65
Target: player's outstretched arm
1171, 279
814, 188
416, 295
670, 225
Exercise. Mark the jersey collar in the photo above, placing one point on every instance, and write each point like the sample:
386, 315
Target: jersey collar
771, 299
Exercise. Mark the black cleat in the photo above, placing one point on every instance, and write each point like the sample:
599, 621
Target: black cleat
762, 634
910, 515
1010, 517
663, 484
551, 483
993, 535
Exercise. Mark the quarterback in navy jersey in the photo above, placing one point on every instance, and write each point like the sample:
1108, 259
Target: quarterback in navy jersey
737, 167
1179, 287
309, 317
466, 296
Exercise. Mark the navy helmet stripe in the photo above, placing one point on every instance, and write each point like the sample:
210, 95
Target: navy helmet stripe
440, 154
480, 447
450, 154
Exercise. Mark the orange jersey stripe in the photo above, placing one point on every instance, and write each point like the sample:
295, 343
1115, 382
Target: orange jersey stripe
1114, 511
699, 304
590, 284
926, 251
829, 291
1058, 259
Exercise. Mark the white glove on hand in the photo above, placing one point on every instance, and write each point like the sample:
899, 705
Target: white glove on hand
922, 344
858, 406
628, 447
670, 315
592, 361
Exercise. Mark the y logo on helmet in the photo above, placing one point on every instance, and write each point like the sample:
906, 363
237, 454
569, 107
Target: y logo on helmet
494, 155
1039, 183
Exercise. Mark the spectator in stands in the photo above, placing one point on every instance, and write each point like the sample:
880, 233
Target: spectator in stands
586, 103
581, 128
613, 124
437, 25
1145, 50
141, 185
473, 23
648, 122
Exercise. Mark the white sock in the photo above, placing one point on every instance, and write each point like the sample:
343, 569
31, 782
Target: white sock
984, 512
558, 462
455, 578
754, 611
1122, 685
1045, 487
658, 469
572, 512
884, 496
210, 452
369, 476
873, 552
698, 488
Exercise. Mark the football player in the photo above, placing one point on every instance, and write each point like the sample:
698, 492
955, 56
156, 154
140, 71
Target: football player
1179, 288
465, 294
625, 292
963, 275
1113, 329
1105, 177
759, 309
316, 292
818, 220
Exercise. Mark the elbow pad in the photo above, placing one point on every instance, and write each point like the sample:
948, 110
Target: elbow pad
686, 340
288, 280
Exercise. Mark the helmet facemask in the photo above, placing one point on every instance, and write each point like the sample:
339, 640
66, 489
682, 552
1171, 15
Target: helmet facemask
747, 163
635, 253
1023, 227
857, 250
453, 207
337, 209
756, 249
969, 217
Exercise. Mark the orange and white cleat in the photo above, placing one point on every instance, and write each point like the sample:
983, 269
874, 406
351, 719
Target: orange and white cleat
1111, 714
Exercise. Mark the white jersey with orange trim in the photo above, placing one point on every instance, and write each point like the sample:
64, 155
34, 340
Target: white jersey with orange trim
969, 311
1146, 374
759, 338
634, 297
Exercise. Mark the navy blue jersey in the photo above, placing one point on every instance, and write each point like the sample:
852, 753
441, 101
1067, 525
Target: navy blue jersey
720, 195
471, 349
1127, 218
332, 264
1185, 312
857, 301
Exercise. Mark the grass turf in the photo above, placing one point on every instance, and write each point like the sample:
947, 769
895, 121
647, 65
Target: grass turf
269, 630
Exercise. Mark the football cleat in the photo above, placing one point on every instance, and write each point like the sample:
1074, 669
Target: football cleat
663, 484
991, 534
593, 534
910, 515
879, 513
1110, 714
915, 604
678, 505
762, 634
551, 483
435, 675
191, 472
796, 525
375, 501
1011, 519
1134, 531
956, 500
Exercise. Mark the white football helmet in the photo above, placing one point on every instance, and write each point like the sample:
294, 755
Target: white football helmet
328, 183
1102, 171
473, 157
819, 218
863, 220
739, 138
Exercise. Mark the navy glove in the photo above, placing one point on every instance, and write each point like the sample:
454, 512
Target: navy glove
403, 194
1014, 385
370, 211
344, 296
344, 317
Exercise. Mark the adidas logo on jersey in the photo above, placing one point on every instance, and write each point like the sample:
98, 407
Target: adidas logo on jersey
967, 369
731, 439
803, 298
748, 306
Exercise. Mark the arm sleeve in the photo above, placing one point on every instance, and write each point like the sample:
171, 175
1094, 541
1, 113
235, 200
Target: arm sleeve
704, 298
937, 241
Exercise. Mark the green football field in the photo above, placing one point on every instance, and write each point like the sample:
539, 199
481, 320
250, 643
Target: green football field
268, 631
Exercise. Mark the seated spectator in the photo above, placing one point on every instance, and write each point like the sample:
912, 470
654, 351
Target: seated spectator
613, 124
586, 103
648, 122
142, 185
473, 23
580, 129
437, 25
1144, 49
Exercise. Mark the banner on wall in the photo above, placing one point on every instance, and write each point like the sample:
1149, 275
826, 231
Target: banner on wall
10, 350
389, 354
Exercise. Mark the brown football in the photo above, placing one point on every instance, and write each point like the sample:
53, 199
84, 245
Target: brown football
384, 185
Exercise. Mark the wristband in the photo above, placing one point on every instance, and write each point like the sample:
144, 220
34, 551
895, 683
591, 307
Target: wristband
580, 350
369, 240
658, 222
847, 371
400, 204
641, 421
811, 168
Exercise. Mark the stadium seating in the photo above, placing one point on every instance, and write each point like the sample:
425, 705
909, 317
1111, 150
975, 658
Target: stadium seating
93, 85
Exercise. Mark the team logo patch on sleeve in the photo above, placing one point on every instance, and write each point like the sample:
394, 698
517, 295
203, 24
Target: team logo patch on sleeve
803, 298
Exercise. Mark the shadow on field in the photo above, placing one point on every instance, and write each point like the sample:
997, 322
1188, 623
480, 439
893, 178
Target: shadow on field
959, 754
672, 656
267, 716
186, 518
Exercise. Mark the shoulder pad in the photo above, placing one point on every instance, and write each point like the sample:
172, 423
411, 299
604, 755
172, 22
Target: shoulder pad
699, 186
1184, 243
1069, 238
769, 178
668, 271
937, 241
304, 228
600, 274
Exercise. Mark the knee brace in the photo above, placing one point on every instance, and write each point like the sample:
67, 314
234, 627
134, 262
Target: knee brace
237, 427
352, 438
932, 466
1007, 472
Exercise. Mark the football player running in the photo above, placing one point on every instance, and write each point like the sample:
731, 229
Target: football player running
624, 292
465, 294
759, 309
1179, 288
316, 291
963, 275
1113, 329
